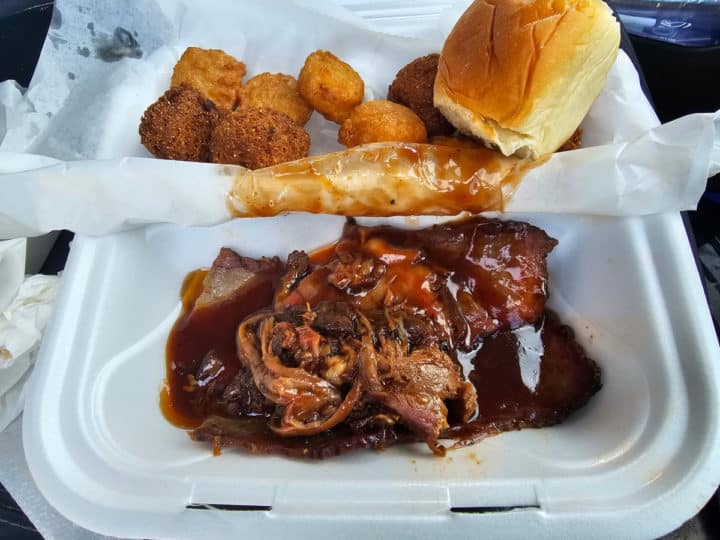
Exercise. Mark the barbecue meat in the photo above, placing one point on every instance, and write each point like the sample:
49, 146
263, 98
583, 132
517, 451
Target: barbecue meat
202, 358
318, 366
232, 274
498, 268
416, 386
567, 380
253, 435
356, 345
308, 397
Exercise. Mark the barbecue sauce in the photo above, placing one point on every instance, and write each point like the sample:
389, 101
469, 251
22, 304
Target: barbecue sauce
418, 179
206, 334
526, 367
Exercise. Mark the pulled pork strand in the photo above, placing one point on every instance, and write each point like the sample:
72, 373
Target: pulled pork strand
415, 385
311, 404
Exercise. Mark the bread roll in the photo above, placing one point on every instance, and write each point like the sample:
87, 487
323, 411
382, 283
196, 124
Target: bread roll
522, 74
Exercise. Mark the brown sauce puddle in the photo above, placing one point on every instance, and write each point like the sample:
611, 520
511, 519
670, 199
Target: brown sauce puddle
193, 337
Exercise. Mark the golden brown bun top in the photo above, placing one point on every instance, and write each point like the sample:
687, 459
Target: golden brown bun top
513, 61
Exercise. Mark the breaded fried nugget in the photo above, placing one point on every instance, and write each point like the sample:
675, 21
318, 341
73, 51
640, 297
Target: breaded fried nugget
381, 120
278, 92
256, 138
330, 86
214, 73
178, 125
573, 143
456, 141
413, 87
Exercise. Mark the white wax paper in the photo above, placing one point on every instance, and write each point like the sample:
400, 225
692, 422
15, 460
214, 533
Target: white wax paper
25, 305
80, 106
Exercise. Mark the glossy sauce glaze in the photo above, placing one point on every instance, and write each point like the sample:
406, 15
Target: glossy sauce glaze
495, 270
534, 376
204, 336
526, 367
383, 179
404, 275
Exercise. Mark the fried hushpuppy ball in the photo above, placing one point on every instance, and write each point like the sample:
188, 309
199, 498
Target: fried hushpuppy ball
178, 125
257, 138
214, 73
278, 92
456, 141
413, 87
330, 86
381, 120
573, 143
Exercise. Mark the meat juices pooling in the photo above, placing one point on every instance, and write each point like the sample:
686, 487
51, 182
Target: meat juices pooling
357, 345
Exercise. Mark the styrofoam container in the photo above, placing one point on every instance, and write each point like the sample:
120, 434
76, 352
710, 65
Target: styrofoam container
638, 460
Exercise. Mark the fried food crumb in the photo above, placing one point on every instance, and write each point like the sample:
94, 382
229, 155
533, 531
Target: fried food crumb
413, 87
381, 120
178, 125
573, 143
212, 72
257, 138
330, 86
278, 92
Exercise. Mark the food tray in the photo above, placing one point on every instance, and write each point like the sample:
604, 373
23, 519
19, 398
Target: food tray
637, 461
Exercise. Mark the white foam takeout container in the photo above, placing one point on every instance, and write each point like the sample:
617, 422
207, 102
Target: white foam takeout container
637, 461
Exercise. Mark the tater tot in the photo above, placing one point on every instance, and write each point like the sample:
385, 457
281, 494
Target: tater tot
381, 120
330, 86
257, 138
214, 73
278, 92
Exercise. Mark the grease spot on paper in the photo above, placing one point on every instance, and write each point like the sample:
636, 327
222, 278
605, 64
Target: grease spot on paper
120, 45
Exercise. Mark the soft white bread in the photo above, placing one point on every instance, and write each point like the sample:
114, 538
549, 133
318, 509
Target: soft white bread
522, 74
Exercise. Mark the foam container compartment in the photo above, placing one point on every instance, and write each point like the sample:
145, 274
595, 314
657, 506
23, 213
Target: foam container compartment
637, 461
